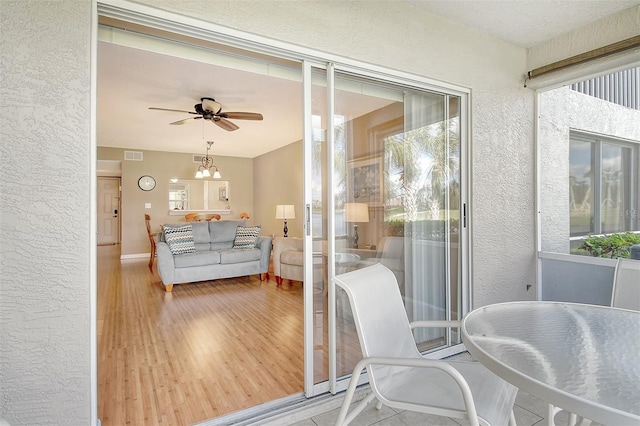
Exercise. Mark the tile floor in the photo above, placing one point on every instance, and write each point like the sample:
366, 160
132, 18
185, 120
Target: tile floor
528, 411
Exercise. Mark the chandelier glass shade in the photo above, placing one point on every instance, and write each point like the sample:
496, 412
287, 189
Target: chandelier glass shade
204, 170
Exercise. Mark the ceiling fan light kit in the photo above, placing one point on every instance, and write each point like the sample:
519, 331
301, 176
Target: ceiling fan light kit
204, 170
210, 109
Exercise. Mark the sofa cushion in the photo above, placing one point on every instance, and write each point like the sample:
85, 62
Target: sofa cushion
180, 239
201, 232
246, 237
292, 257
203, 258
223, 232
239, 256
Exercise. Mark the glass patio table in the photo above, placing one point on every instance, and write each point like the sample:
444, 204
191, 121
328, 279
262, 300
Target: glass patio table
582, 358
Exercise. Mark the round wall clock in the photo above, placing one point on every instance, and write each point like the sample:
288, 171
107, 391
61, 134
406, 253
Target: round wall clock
146, 183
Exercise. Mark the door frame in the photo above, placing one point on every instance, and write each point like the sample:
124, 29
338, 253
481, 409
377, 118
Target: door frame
119, 181
335, 384
163, 20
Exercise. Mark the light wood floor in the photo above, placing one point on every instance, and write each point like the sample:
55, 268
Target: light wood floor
202, 351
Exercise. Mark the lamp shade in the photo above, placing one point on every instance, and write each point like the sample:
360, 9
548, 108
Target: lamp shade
285, 211
356, 212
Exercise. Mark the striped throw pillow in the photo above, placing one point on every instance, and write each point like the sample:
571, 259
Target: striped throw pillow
180, 239
246, 237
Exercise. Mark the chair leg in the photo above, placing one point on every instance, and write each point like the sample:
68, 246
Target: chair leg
551, 412
581, 421
353, 382
152, 257
573, 420
512, 419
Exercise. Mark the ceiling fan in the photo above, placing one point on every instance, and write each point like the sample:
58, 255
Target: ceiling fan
211, 110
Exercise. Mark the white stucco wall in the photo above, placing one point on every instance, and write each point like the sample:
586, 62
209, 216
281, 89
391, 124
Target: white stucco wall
44, 290
563, 110
603, 32
44, 219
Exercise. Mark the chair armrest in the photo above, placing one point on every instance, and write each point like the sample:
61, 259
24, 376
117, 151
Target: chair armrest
435, 324
281, 244
410, 362
264, 245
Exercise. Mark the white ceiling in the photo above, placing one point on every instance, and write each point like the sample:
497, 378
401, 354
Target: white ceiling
525, 23
125, 93
130, 80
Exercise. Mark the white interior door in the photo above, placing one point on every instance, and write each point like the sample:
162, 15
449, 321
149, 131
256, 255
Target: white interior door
108, 210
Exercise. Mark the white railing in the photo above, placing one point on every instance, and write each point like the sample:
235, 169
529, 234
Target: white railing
622, 88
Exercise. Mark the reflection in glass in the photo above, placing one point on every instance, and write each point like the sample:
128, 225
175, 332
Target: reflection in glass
192, 195
616, 174
398, 152
319, 227
581, 183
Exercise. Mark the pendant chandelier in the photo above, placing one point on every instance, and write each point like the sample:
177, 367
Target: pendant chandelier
204, 170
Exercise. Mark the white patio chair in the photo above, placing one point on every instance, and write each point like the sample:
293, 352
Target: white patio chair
398, 374
626, 285
625, 294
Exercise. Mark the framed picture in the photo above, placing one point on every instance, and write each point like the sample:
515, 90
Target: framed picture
365, 181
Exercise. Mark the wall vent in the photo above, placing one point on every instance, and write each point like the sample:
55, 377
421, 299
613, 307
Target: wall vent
133, 155
198, 158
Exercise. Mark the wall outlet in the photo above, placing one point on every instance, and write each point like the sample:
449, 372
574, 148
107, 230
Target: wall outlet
147, 205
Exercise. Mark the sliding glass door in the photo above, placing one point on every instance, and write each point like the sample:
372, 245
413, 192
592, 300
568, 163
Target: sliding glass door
385, 185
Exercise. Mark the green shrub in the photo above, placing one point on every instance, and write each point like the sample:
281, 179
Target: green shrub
612, 246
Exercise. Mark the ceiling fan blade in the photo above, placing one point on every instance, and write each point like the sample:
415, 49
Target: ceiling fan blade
173, 110
211, 105
185, 120
225, 124
242, 115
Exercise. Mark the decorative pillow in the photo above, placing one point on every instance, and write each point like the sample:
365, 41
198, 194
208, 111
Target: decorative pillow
246, 237
180, 239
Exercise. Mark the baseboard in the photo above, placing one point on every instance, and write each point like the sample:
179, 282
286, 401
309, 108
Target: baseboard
134, 256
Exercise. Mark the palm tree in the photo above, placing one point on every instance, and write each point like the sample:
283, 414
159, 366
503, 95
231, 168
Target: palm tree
409, 150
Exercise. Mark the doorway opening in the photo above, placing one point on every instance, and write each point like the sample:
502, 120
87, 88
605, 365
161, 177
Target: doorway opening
355, 128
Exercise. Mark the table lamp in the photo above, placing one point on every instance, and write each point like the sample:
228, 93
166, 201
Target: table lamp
356, 212
285, 211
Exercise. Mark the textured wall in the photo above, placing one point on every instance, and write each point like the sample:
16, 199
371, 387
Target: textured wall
270, 172
612, 29
562, 110
44, 295
44, 223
